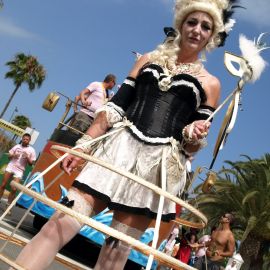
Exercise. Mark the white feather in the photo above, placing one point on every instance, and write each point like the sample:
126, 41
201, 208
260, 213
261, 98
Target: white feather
259, 42
229, 25
252, 54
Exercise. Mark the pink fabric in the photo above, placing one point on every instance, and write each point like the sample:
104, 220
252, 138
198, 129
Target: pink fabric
202, 240
19, 162
171, 241
97, 95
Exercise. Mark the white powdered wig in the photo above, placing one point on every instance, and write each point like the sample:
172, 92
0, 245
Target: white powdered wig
251, 52
213, 7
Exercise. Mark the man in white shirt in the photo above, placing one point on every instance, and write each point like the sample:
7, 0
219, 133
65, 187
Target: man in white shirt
20, 155
92, 98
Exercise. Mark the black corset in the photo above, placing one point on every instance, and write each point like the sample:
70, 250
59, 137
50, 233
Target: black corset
162, 114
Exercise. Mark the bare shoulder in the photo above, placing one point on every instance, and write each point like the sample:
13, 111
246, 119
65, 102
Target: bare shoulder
212, 88
231, 235
138, 65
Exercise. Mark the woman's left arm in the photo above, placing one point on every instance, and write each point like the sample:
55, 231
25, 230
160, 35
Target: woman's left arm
194, 134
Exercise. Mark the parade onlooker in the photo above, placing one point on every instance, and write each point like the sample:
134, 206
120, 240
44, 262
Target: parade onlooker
92, 98
20, 155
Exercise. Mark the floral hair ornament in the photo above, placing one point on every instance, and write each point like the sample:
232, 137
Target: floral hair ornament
221, 12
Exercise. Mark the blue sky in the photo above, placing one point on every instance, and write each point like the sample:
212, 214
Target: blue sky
81, 41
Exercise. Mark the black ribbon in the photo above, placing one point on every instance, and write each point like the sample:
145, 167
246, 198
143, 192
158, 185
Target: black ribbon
111, 240
169, 32
65, 201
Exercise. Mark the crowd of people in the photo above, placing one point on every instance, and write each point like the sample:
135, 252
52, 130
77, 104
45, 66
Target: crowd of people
211, 249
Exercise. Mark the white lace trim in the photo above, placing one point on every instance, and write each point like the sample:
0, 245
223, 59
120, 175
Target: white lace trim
167, 82
81, 205
114, 113
84, 143
153, 71
149, 139
205, 111
129, 82
124, 228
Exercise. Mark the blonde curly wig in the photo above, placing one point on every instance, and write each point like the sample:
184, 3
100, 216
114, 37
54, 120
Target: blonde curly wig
220, 11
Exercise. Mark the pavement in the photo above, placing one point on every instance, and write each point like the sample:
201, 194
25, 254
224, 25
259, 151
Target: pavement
25, 232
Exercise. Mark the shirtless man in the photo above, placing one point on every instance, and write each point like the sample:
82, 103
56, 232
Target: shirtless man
221, 245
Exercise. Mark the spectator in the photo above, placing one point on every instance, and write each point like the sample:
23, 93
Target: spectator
221, 245
20, 155
92, 98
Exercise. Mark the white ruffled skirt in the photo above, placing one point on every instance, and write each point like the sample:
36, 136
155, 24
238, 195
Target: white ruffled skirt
124, 151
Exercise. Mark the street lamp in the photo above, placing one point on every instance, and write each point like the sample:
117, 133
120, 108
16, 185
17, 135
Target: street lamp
14, 111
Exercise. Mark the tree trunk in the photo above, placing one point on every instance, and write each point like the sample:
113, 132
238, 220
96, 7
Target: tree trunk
10, 99
251, 251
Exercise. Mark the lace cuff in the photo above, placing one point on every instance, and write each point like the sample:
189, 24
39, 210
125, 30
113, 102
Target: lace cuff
84, 143
114, 113
201, 143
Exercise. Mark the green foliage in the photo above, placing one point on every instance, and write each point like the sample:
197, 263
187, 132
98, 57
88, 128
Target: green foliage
242, 189
21, 121
5, 143
24, 69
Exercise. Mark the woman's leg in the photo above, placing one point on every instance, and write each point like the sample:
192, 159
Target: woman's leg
114, 253
39, 253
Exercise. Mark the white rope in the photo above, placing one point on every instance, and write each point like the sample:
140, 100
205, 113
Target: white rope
136, 244
10, 262
139, 180
22, 241
28, 211
160, 208
55, 163
237, 89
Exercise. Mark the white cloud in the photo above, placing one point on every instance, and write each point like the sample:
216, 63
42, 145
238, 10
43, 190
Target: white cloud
8, 28
256, 12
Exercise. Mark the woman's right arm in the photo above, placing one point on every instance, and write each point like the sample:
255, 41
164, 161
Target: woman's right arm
101, 124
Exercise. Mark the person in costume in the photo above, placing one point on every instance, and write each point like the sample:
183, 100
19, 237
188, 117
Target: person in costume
163, 104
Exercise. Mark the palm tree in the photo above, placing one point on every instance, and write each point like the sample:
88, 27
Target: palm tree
21, 121
244, 190
24, 69
5, 143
